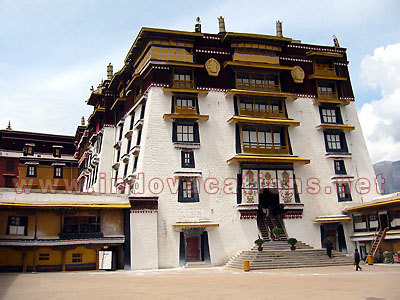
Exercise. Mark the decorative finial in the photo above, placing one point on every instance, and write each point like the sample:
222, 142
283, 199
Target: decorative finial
279, 29
83, 121
9, 126
221, 25
335, 41
197, 26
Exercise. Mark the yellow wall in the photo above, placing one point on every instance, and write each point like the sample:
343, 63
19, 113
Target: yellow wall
113, 221
54, 257
88, 255
48, 224
10, 257
47, 172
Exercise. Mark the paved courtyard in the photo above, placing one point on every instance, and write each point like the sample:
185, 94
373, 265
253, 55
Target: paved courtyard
374, 282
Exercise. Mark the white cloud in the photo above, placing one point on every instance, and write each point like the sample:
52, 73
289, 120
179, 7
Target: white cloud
380, 119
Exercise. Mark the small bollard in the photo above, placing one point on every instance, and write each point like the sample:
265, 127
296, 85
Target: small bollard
370, 259
246, 265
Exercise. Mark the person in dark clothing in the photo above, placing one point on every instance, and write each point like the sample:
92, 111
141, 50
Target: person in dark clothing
357, 260
329, 247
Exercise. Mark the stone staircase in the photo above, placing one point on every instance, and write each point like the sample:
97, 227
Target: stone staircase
277, 255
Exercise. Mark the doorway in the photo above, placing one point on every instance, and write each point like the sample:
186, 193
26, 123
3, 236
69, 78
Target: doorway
383, 220
192, 248
269, 199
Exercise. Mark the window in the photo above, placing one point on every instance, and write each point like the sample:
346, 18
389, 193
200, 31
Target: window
257, 82
139, 137
56, 151
125, 170
135, 164
76, 257
360, 223
188, 190
324, 67
8, 182
58, 172
17, 225
132, 122
264, 140
335, 142
99, 143
10, 166
28, 150
187, 158
330, 115
82, 224
121, 130
44, 256
327, 90
261, 107
31, 171
343, 191
184, 105
339, 167
185, 133
129, 145
183, 79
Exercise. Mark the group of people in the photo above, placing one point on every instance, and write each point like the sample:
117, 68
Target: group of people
357, 257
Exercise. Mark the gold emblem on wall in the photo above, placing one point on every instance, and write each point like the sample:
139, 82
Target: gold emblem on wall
297, 74
213, 67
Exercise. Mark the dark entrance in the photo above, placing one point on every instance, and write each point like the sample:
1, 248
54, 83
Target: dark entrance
336, 233
269, 199
192, 250
383, 221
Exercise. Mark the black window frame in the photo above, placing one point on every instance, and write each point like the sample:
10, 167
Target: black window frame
34, 171
194, 193
339, 166
347, 192
190, 163
23, 221
55, 172
338, 115
55, 154
196, 134
342, 140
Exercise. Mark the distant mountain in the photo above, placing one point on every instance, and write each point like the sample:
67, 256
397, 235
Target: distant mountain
391, 172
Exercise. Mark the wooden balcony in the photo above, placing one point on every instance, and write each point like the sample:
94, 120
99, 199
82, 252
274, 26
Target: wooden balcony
262, 113
324, 71
327, 95
262, 87
187, 110
183, 84
265, 149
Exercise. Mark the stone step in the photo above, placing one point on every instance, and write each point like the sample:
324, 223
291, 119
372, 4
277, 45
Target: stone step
197, 264
277, 254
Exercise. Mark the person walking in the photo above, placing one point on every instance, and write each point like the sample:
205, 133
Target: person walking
357, 260
329, 247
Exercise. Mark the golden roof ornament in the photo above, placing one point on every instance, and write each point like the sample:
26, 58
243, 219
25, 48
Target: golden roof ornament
297, 74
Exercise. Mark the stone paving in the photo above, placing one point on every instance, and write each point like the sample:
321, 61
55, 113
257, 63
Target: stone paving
374, 282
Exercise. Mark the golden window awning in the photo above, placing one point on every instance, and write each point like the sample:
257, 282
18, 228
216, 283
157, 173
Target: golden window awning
332, 219
269, 158
179, 225
269, 121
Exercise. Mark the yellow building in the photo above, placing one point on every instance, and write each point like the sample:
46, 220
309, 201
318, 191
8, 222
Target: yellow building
376, 225
60, 232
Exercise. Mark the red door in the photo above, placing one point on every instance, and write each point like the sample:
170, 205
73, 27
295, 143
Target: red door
192, 248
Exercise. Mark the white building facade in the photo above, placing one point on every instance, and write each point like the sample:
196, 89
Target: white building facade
207, 134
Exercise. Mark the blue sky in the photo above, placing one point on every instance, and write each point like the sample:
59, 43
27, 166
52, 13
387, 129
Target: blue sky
52, 51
